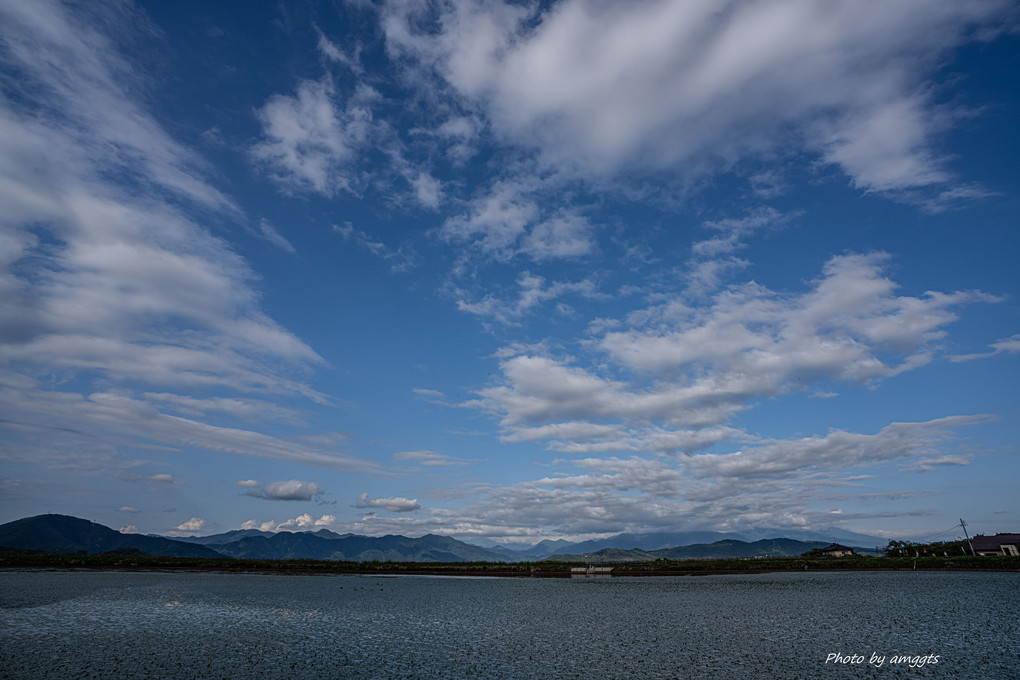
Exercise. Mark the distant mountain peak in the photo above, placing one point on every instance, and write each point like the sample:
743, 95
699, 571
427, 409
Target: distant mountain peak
67, 534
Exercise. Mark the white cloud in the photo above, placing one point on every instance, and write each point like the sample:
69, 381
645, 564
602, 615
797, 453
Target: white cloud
837, 330
601, 87
248, 483
460, 134
564, 235
193, 524
430, 395
292, 490
117, 417
306, 521
532, 291
129, 529
391, 504
84, 83
401, 258
694, 368
311, 143
108, 280
427, 189
836, 451
269, 233
332, 52
495, 222
245, 409
934, 462
1010, 345
507, 219
774, 483
300, 523
734, 231
362, 239
427, 458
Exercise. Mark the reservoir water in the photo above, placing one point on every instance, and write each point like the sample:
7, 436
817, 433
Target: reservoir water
785, 625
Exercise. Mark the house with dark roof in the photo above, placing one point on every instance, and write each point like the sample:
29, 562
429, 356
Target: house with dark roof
837, 550
999, 544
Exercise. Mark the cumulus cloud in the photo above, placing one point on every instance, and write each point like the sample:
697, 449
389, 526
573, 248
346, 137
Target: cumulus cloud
391, 504
300, 523
248, 483
192, 525
292, 490
129, 529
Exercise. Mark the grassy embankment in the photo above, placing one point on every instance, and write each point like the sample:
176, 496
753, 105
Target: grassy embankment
140, 562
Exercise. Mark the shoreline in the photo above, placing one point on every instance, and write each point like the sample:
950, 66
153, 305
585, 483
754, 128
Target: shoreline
152, 563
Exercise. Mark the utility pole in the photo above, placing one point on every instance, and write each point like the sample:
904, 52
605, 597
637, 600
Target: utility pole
963, 525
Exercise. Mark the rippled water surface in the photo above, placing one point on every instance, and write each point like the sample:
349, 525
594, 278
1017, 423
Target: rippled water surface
174, 625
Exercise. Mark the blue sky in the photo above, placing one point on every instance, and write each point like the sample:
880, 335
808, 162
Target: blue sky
510, 271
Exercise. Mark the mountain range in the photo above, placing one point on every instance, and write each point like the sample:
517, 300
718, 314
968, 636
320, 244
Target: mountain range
65, 534
727, 548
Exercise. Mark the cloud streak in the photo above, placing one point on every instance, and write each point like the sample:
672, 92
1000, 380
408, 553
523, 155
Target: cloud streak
292, 490
119, 282
391, 504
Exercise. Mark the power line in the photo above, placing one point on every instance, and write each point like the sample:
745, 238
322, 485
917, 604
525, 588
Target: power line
944, 531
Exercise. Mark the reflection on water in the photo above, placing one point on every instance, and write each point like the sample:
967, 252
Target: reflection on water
158, 625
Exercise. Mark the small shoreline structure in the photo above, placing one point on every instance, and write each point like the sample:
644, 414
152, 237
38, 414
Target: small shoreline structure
590, 571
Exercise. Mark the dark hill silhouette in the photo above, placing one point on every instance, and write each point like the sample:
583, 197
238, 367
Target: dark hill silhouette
65, 534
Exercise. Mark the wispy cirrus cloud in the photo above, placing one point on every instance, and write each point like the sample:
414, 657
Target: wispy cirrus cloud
713, 258
1010, 345
111, 276
428, 458
112, 420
